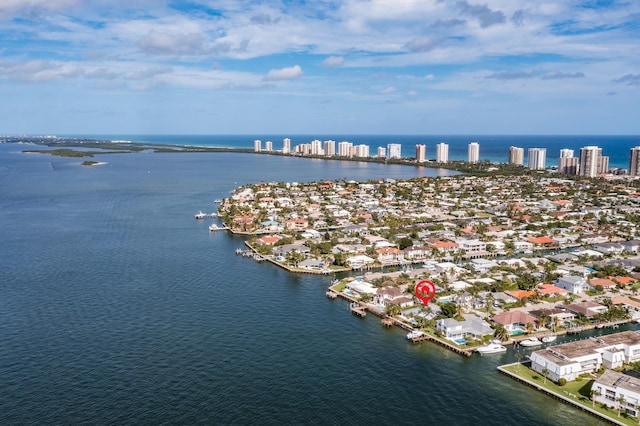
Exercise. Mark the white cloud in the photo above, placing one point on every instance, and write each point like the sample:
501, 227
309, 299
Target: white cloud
388, 90
288, 73
333, 61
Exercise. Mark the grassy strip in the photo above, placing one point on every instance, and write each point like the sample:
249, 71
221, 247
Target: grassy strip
577, 391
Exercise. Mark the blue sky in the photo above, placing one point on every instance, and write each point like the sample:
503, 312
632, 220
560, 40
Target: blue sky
324, 66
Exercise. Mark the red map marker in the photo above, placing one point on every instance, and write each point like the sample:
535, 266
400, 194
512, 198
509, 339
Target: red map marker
425, 290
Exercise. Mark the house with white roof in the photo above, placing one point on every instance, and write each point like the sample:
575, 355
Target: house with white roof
619, 391
455, 330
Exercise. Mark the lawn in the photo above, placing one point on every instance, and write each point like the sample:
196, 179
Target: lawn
578, 391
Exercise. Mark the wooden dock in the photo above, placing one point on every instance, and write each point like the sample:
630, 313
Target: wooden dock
453, 348
357, 309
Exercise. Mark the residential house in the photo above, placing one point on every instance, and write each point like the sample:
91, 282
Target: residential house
456, 330
390, 255
572, 283
515, 322
588, 309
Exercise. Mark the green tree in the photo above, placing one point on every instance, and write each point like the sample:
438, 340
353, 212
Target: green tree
448, 309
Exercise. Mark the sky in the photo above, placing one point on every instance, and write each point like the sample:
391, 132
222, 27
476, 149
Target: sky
331, 67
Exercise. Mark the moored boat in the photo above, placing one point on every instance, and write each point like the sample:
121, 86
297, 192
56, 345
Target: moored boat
491, 348
200, 215
549, 339
532, 341
414, 334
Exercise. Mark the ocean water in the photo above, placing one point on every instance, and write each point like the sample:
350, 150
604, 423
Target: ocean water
494, 148
117, 307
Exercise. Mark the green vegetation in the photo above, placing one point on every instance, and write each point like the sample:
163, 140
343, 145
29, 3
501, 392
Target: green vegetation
577, 391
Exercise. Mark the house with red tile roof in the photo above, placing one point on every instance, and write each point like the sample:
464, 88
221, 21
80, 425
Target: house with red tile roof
515, 322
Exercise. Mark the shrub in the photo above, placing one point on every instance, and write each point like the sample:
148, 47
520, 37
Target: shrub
562, 381
579, 379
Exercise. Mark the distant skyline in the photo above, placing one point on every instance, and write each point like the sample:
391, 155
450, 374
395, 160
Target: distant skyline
328, 67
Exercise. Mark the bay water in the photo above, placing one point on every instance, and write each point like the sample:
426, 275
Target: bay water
118, 307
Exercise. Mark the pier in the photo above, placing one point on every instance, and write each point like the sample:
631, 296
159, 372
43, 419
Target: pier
356, 309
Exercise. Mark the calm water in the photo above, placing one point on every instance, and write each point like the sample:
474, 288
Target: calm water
116, 306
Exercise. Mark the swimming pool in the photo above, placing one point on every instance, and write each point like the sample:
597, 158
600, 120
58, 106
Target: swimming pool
461, 341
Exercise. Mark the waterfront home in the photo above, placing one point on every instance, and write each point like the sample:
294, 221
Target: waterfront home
562, 316
619, 391
362, 287
286, 248
359, 261
390, 255
588, 309
515, 322
572, 283
313, 264
632, 304
457, 331
417, 252
268, 239
569, 360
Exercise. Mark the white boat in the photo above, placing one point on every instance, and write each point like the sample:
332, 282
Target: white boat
532, 341
200, 215
492, 348
217, 200
414, 334
214, 214
213, 227
549, 339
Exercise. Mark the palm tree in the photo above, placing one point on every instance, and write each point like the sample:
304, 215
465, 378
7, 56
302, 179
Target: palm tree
518, 356
501, 333
620, 401
545, 373
593, 393
530, 327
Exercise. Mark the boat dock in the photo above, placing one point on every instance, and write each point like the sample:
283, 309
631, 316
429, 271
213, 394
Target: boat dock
358, 308
251, 254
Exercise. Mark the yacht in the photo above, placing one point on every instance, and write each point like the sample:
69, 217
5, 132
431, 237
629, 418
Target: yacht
213, 227
549, 339
492, 348
414, 334
532, 341
200, 215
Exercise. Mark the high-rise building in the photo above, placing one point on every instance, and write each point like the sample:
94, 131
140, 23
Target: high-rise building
634, 161
421, 153
344, 149
568, 165
473, 152
329, 148
603, 164
566, 153
257, 145
394, 150
516, 156
362, 151
268, 146
536, 159
590, 161
442, 152
316, 147
286, 145
382, 152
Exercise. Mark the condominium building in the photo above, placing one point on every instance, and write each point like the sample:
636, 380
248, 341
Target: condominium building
603, 164
516, 156
394, 150
257, 145
634, 161
286, 145
589, 161
329, 148
382, 152
316, 147
362, 151
473, 152
536, 159
421, 153
568, 165
442, 152
344, 149
566, 153
268, 146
